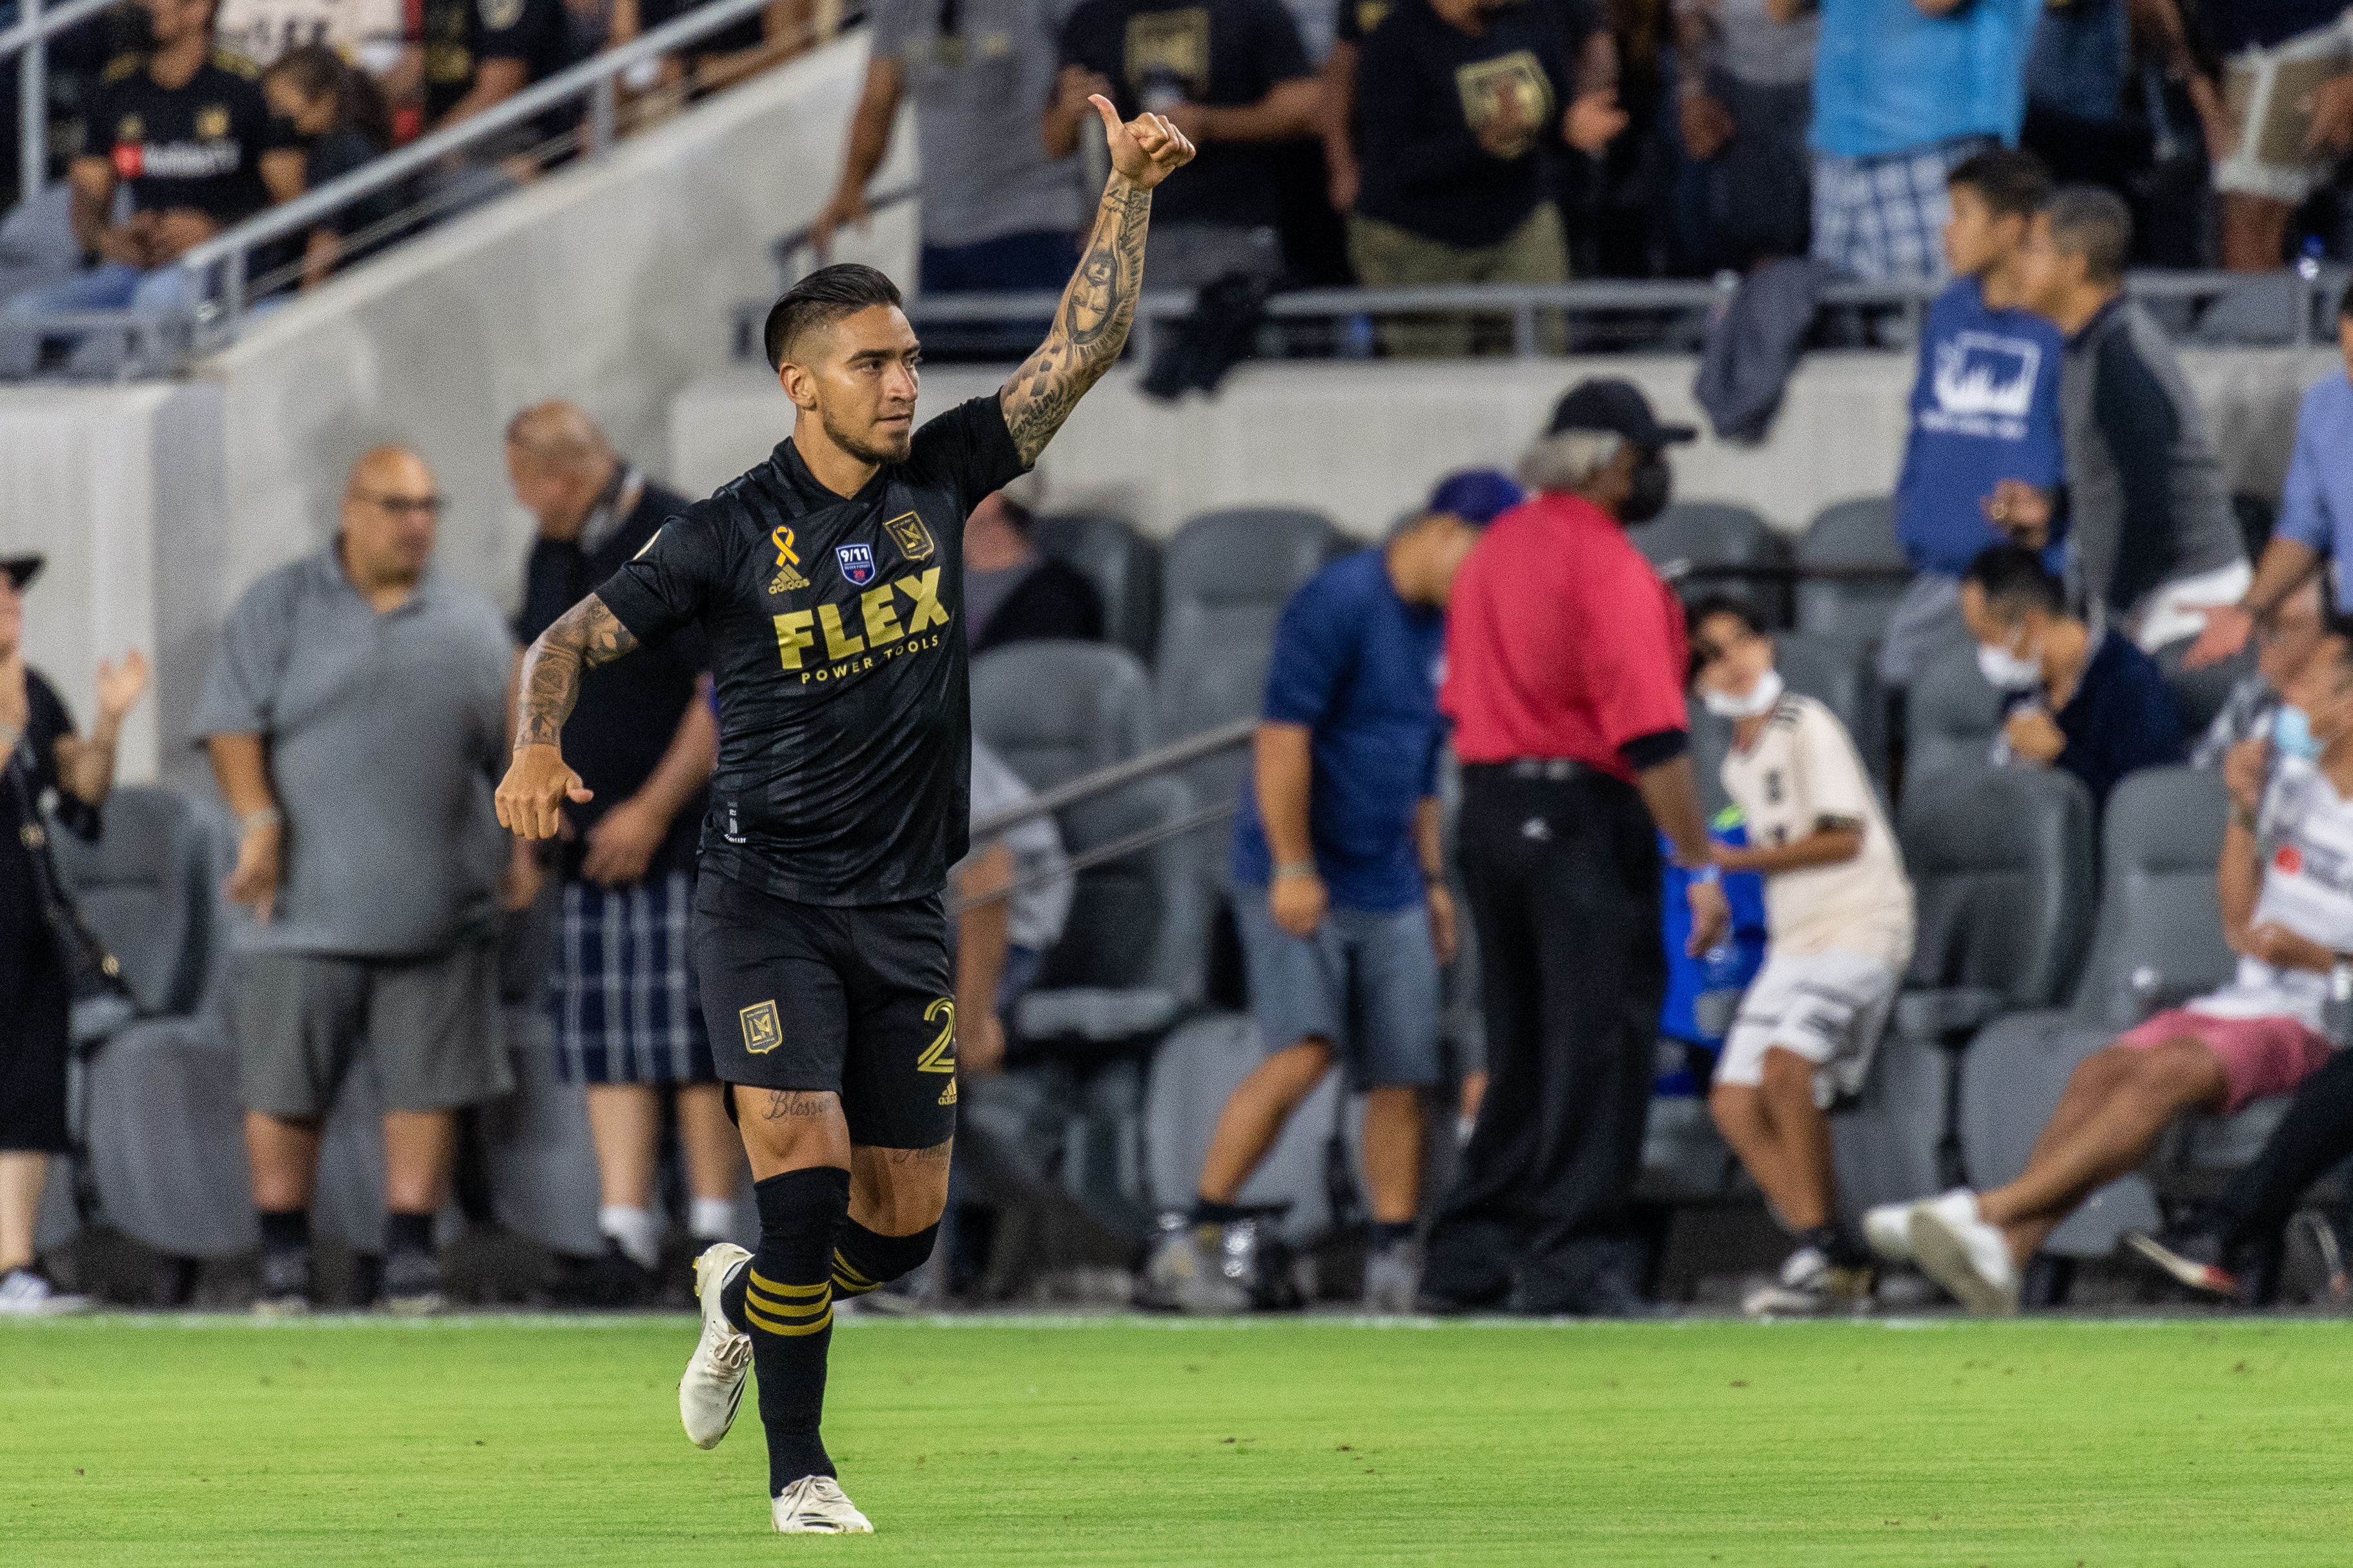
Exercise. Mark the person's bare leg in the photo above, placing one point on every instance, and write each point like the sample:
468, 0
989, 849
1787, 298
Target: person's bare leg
899, 1192
624, 1126
1803, 1135
1740, 1115
2095, 1080
283, 1154
420, 1147
23, 1173
714, 1154
2164, 1080
2254, 232
1392, 1153
1255, 1113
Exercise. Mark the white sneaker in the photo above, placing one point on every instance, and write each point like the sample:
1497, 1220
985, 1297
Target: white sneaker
713, 1389
1888, 1229
24, 1294
1965, 1255
1802, 1288
1392, 1279
814, 1505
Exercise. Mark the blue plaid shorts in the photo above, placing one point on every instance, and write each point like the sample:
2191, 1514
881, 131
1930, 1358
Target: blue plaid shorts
621, 993
1883, 219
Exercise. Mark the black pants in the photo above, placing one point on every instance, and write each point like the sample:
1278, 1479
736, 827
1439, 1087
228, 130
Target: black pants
1563, 877
2312, 1138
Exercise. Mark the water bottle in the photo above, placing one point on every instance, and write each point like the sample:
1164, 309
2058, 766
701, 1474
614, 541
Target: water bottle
2336, 1009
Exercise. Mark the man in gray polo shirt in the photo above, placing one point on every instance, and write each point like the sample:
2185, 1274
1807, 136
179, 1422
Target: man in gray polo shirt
997, 213
356, 714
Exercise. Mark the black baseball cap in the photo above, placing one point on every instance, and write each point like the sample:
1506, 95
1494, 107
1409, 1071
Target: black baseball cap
21, 569
1618, 407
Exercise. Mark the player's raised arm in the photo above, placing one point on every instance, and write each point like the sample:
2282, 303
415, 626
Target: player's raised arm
1091, 326
531, 797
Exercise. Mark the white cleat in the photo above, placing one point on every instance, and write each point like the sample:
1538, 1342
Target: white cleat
713, 1389
1888, 1229
814, 1505
1965, 1255
24, 1294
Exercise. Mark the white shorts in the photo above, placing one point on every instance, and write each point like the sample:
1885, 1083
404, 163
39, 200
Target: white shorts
2263, 92
1827, 1007
2179, 608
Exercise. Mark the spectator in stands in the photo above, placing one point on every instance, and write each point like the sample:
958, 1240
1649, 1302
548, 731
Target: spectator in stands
185, 127
1745, 96
1904, 92
735, 53
2155, 545
1013, 592
2286, 886
1566, 668
266, 31
1839, 914
2086, 113
343, 122
2281, 122
2093, 705
1233, 77
1340, 894
43, 761
998, 211
2316, 521
355, 712
2254, 713
1457, 102
1985, 405
1014, 889
621, 994
472, 56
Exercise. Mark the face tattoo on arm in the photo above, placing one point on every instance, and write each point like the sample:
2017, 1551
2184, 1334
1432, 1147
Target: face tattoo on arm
1090, 328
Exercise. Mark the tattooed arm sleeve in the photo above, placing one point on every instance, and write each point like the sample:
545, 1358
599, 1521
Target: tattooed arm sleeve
1090, 327
583, 637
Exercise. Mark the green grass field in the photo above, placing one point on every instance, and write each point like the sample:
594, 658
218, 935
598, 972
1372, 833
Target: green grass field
171, 1441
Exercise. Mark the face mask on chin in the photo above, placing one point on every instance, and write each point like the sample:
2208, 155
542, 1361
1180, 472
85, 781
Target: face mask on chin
1759, 699
2007, 671
1652, 483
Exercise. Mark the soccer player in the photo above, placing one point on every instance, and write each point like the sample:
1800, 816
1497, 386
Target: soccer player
1838, 908
828, 582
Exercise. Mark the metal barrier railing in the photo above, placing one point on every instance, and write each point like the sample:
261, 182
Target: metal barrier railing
38, 25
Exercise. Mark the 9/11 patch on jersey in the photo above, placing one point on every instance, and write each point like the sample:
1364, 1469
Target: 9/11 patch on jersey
857, 563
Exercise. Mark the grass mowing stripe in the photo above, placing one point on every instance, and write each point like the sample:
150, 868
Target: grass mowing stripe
1294, 1441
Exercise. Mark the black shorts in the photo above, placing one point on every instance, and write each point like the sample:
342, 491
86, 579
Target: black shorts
857, 1001
35, 1039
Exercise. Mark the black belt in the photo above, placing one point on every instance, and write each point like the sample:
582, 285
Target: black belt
1555, 770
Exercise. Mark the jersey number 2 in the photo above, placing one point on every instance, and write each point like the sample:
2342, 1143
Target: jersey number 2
940, 1055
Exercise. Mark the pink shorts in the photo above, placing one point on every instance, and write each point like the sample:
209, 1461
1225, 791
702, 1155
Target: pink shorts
2261, 1056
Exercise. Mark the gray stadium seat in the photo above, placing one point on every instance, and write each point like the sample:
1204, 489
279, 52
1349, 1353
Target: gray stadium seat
2000, 864
145, 889
543, 1165
1950, 718
1859, 532
1123, 564
2202, 692
1225, 578
1712, 533
1839, 672
2159, 940
1054, 710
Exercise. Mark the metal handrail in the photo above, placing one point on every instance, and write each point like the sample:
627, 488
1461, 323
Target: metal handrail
1164, 759
224, 257
38, 26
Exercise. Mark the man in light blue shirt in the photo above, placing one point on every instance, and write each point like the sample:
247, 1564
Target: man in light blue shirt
1904, 91
2316, 518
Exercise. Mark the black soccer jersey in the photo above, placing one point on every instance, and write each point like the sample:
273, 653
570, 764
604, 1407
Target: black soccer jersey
197, 145
834, 630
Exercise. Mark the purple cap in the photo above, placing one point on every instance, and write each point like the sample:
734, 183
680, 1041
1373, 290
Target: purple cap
1477, 496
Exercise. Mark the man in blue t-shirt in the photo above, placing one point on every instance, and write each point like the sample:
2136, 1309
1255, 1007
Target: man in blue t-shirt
1985, 406
1340, 894
1905, 91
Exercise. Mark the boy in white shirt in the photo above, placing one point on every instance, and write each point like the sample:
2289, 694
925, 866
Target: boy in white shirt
1839, 916
2286, 886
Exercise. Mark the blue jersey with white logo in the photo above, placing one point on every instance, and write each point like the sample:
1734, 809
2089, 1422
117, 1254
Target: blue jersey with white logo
1359, 666
1985, 407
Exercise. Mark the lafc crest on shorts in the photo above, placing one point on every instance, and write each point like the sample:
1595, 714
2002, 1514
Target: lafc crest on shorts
761, 1032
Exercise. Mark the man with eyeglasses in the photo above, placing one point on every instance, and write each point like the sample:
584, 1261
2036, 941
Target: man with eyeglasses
356, 712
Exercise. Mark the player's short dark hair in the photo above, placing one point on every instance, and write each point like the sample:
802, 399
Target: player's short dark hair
2010, 181
821, 299
2015, 580
2094, 224
1705, 608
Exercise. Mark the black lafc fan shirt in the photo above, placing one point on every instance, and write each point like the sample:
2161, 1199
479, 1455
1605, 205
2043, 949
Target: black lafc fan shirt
845, 754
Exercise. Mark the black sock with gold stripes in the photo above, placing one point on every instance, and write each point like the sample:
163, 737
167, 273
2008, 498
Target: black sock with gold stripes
864, 1259
785, 1301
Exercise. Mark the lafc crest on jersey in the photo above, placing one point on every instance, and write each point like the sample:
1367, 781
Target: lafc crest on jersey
908, 533
788, 577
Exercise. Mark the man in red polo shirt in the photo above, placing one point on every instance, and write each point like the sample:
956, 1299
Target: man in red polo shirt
1565, 667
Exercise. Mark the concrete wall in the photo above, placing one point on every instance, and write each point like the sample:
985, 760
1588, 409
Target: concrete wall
1363, 441
611, 285
120, 488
